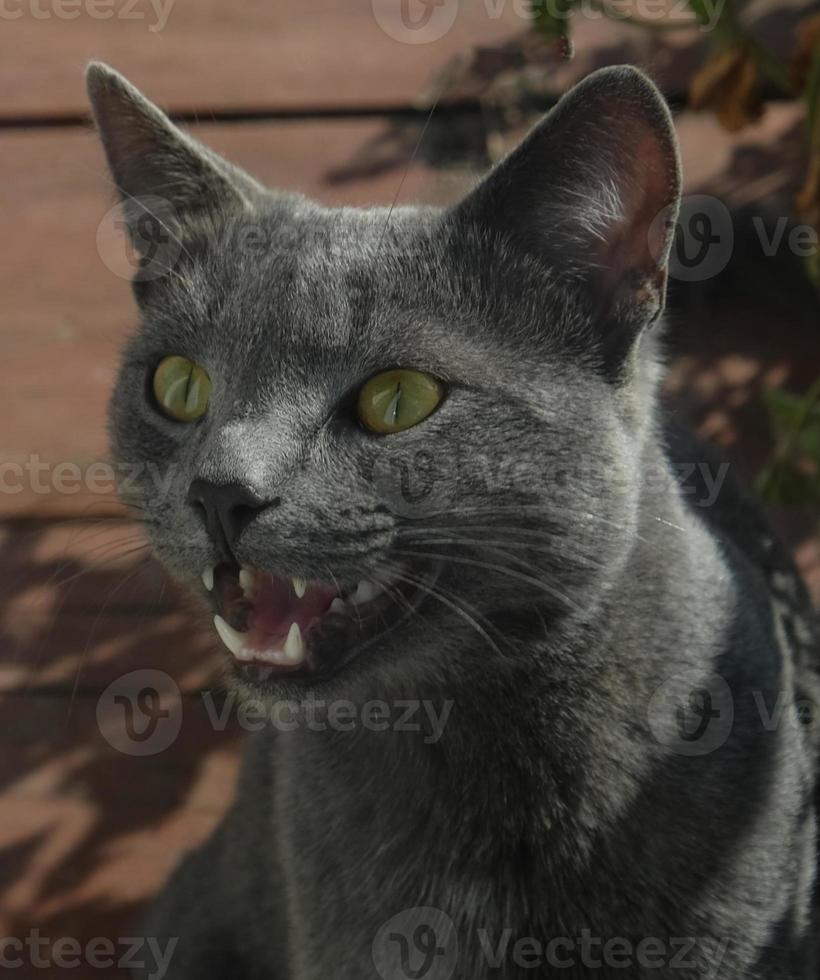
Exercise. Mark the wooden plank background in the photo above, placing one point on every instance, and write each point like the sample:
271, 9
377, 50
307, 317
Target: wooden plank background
281, 56
284, 56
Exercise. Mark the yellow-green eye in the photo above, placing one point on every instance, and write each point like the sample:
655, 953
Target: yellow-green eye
396, 400
181, 388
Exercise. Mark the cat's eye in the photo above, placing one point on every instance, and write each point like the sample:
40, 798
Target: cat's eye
181, 388
396, 400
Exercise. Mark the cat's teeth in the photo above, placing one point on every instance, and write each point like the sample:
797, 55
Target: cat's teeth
208, 578
293, 653
338, 606
299, 587
365, 591
245, 580
294, 645
232, 638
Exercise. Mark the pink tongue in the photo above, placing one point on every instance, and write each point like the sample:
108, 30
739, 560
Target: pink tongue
276, 606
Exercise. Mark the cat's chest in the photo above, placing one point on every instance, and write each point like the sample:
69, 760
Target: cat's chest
380, 866
347, 867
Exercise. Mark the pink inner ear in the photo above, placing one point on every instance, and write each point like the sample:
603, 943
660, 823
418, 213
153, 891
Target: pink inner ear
636, 247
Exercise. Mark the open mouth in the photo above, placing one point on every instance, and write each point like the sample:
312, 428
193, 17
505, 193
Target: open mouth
269, 621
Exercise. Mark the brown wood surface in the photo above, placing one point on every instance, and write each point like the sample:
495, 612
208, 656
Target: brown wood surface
308, 55
282, 56
86, 603
88, 831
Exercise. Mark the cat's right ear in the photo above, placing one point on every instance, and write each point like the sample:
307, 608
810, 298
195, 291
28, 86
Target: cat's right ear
593, 194
157, 168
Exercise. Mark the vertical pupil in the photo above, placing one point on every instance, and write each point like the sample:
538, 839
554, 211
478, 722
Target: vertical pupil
190, 390
396, 401
391, 413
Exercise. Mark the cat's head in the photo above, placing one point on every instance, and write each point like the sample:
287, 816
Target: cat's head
393, 440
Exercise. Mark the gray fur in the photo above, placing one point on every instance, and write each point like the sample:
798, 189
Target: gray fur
576, 578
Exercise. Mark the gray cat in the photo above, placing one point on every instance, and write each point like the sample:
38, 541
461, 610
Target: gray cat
538, 681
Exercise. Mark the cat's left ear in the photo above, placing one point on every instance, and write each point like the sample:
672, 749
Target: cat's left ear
152, 160
593, 193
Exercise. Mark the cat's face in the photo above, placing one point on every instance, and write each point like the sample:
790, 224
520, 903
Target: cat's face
391, 440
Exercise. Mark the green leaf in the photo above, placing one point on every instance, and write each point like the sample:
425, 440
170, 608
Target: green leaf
813, 268
789, 412
785, 486
698, 8
813, 96
551, 17
704, 11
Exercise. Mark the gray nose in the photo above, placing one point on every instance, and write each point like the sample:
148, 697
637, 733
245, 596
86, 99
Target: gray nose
227, 509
